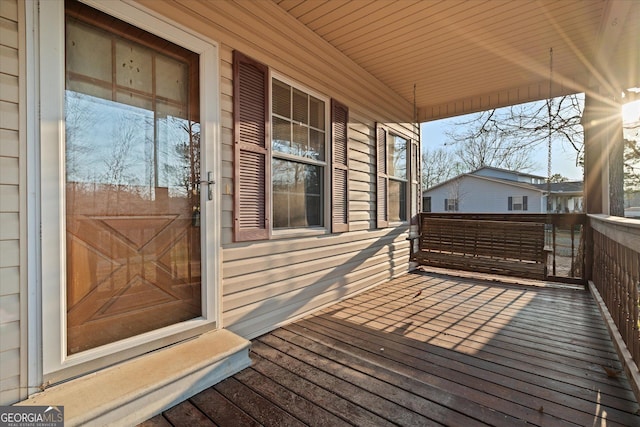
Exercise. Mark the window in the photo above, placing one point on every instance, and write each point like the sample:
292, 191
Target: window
298, 148
517, 203
393, 173
426, 204
451, 205
397, 170
282, 160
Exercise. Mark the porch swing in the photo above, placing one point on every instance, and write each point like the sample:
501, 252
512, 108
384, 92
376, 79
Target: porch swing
513, 245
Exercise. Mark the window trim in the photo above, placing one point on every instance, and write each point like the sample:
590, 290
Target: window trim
511, 205
257, 217
426, 202
383, 177
326, 164
49, 266
456, 206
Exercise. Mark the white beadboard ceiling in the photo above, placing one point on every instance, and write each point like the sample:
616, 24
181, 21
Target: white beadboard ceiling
470, 55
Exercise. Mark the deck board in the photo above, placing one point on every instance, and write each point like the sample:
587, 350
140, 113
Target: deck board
429, 349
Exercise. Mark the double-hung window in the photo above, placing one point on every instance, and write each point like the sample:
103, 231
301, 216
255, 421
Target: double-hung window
290, 160
298, 150
397, 147
517, 203
451, 205
396, 166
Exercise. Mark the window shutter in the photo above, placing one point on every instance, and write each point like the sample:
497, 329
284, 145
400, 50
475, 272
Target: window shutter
340, 167
446, 205
382, 185
251, 149
524, 203
510, 203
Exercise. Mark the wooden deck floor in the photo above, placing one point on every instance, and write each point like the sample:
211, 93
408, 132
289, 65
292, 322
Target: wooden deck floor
429, 349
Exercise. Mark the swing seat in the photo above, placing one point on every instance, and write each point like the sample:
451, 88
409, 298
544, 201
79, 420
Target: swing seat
500, 247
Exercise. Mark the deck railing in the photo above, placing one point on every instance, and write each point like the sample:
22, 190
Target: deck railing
598, 248
614, 257
564, 239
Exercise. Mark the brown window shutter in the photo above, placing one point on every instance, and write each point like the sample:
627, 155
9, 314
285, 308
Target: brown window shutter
382, 185
340, 167
251, 149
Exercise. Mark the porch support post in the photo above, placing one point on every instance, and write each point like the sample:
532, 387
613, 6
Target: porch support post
603, 148
603, 163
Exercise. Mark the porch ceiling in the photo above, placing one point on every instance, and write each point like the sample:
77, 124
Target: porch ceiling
467, 56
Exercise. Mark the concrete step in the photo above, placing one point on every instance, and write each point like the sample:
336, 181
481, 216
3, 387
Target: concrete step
136, 390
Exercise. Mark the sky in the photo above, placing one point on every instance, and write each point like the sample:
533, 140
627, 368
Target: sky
563, 156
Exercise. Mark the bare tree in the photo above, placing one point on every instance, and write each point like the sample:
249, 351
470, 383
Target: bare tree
438, 165
120, 159
454, 194
631, 156
506, 137
489, 148
556, 177
80, 119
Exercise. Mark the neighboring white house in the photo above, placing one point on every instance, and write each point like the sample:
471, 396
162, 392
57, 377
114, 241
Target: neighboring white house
494, 190
566, 197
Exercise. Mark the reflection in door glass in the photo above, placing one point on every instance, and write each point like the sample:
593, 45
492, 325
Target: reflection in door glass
132, 201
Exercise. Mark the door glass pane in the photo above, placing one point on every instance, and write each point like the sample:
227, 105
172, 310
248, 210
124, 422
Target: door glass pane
132, 203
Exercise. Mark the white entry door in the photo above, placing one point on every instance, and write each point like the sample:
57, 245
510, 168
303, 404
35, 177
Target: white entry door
135, 185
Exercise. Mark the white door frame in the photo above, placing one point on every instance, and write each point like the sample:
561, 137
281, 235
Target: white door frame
46, 229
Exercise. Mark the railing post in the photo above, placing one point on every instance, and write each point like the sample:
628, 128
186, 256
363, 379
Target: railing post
588, 250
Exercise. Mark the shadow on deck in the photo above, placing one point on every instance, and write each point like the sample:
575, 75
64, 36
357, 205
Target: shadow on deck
429, 349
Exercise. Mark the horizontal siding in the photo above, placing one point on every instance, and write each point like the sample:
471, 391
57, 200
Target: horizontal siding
9, 10
10, 389
264, 290
264, 283
9, 32
9, 171
269, 282
9, 198
9, 226
480, 195
9, 87
289, 46
226, 152
10, 230
9, 145
9, 278
9, 115
8, 60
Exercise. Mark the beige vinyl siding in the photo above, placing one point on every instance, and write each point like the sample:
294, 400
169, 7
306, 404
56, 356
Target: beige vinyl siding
268, 282
10, 202
226, 131
271, 283
289, 47
264, 283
